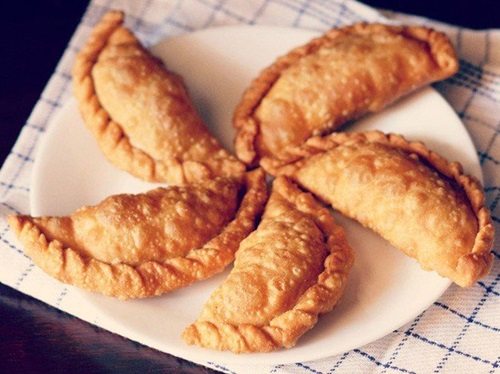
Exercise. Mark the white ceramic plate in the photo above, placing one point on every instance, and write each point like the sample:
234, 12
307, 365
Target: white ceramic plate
386, 289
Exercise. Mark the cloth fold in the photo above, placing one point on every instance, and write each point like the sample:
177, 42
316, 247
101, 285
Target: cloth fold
459, 332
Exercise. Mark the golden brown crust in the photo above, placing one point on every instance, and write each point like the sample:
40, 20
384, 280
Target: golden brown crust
297, 239
129, 278
470, 266
141, 114
352, 102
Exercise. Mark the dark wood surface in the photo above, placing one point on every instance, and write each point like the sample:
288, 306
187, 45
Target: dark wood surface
35, 338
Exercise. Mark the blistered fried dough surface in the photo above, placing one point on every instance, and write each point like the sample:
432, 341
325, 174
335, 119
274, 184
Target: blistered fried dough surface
141, 114
417, 200
287, 272
338, 77
142, 245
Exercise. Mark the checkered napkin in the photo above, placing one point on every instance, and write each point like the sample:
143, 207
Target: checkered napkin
459, 333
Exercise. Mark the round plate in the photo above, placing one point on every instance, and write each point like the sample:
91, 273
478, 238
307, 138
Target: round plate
386, 288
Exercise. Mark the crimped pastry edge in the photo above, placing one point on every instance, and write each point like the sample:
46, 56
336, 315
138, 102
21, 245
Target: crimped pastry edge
247, 126
110, 135
285, 329
150, 278
473, 265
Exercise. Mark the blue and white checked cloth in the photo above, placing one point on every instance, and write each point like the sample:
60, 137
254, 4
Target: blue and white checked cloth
458, 333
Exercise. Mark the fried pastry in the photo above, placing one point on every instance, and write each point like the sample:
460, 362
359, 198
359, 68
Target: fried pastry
338, 77
140, 113
287, 272
132, 246
421, 203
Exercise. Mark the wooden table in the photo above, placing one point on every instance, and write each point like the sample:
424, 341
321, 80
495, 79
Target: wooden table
36, 338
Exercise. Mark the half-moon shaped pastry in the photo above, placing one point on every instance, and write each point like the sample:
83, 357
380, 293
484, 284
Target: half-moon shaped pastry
414, 198
141, 114
287, 272
132, 246
338, 77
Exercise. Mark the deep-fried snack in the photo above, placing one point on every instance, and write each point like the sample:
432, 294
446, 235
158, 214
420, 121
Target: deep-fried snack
132, 246
140, 113
417, 200
287, 272
333, 79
